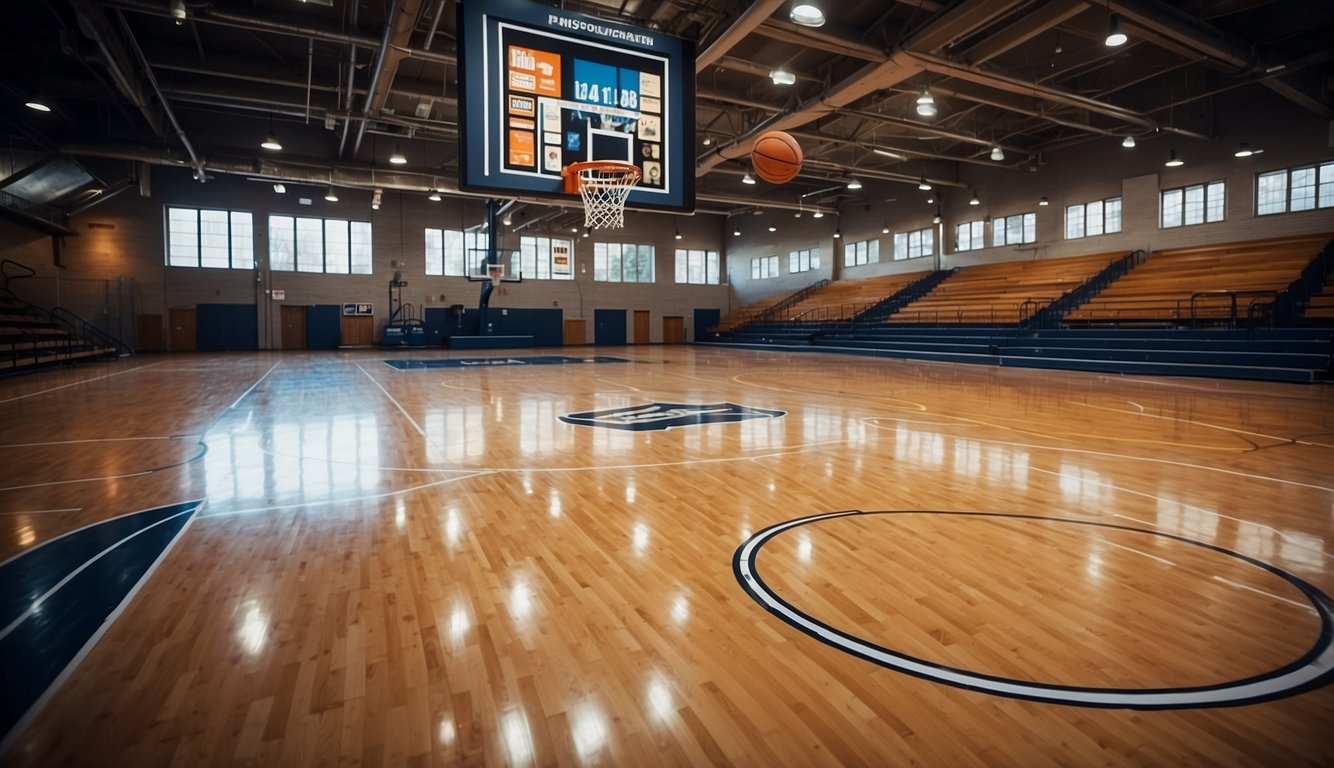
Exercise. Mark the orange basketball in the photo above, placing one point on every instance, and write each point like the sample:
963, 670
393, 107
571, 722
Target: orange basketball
777, 157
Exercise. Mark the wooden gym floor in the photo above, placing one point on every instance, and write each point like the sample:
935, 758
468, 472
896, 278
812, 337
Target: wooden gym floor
429, 567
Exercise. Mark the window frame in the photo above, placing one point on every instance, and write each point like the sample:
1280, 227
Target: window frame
1027, 226
1321, 189
861, 253
1206, 202
235, 241
359, 249
544, 268
803, 260
1104, 217
977, 236
709, 268
602, 261
916, 244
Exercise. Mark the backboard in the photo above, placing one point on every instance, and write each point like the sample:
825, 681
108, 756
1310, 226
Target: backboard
541, 88
507, 265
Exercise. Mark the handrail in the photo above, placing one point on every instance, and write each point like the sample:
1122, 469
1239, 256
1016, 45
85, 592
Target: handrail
88, 332
1051, 315
1232, 297
6, 273
770, 312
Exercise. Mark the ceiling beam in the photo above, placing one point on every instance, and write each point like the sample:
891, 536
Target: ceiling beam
1022, 30
746, 23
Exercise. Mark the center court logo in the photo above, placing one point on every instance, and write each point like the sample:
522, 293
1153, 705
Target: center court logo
653, 416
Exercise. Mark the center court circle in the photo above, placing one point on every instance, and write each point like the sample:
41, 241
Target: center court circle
1313, 669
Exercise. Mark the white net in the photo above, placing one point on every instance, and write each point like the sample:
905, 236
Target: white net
604, 188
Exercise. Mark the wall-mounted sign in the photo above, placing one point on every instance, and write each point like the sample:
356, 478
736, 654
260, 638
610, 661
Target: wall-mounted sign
365, 309
278, 294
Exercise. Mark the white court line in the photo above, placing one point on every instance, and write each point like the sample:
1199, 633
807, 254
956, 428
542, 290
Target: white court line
7, 741
36, 604
1220, 427
76, 480
251, 388
1271, 595
41, 511
1248, 475
340, 500
97, 440
400, 408
1162, 560
77, 383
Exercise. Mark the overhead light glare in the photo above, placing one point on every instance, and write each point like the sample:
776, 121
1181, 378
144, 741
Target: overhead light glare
280, 189
772, 228
888, 153
838, 233
884, 230
736, 233
331, 195
923, 184
434, 196
397, 158
926, 105
1172, 160
747, 179
38, 104
806, 15
1244, 150
975, 201
782, 77
1128, 142
1044, 201
853, 183
997, 153
817, 215
936, 219
271, 142
1115, 36
708, 140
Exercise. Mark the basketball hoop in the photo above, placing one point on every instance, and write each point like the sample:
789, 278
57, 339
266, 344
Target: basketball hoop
604, 185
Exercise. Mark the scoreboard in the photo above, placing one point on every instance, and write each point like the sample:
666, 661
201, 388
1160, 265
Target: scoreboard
541, 88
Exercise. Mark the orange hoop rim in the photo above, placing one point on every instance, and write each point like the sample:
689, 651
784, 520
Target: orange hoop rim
607, 166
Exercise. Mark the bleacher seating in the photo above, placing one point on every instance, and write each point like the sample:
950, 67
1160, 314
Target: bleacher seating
1160, 291
29, 339
843, 300
748, 313
1003, 293
1320, 306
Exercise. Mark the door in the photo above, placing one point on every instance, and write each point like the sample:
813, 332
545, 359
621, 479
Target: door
705, 320
643, 330
609, 327
183, 334
673, 330
294, 327
576, 332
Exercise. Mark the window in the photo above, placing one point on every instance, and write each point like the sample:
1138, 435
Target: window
1099, 217
1016, 229
698, 267
969, 236
331, 246
803, 261
207, 238
864, 252
622, 263
1295, 189
1191, 205
912, 245
448, 251
545, 258
763, 267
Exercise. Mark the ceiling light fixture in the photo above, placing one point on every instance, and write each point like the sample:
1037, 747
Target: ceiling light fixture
888, 153
37, 103
926, 105
923, 184
1172, 160
1115, 36
678, 233
838, 233
817, 215
271, 142
884, 229
782, 77
708, 140
997, 153
178, 11
975, 201
736, 233
747, 179
930, 199
1044, 202
936, 219
853, 183
1243, 151
331, 195
397, 158
806, 15
375, 199
772, 228
280, 188
434, 196
1128, 142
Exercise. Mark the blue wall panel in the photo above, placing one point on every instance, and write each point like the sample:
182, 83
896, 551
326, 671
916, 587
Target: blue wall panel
609, 326
704, 320
324, 326
227, 328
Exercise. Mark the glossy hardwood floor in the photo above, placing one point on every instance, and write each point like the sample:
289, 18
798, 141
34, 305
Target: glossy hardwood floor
428, 567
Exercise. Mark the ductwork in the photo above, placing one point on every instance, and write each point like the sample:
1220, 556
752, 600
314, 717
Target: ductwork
397, 34
746, 23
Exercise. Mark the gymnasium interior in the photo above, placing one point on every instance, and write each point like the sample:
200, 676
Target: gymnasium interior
947, 385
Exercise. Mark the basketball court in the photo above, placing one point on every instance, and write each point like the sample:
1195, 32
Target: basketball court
672, 555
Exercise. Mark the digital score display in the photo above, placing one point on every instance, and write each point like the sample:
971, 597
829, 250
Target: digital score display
541, 88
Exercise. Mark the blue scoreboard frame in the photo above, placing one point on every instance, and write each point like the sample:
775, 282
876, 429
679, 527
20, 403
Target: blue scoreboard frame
541, 88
